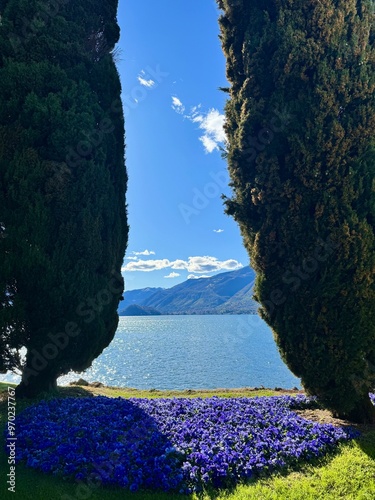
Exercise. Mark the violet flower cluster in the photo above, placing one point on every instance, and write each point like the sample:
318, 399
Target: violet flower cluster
171, 444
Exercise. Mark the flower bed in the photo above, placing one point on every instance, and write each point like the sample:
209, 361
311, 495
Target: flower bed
170, 444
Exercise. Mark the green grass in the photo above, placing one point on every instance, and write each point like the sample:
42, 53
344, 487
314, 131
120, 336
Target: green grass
116, 392
3, 386
348, 474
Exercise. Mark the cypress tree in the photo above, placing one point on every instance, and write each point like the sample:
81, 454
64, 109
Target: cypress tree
63, 224
300, 125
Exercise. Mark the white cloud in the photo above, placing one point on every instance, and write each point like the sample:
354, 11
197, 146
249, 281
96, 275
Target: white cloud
213, 126
146, 83
177, 105
218, 230
176, 101
172, 275
131, 258
194, 113
209, 144
198, 264
179, 264
207, 264
211, 123
147, 265
145, 252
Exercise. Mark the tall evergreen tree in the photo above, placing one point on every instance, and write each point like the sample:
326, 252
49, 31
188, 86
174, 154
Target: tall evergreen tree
300, 124
63, 224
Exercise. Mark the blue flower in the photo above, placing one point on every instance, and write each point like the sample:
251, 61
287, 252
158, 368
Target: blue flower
171, 444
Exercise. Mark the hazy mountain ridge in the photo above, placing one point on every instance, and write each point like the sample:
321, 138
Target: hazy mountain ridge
225, 293
135, 310
137, 297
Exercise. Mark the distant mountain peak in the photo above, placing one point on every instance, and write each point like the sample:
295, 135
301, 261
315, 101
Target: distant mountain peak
224, 293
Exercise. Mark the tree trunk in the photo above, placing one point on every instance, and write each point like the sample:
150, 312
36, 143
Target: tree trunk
363, 413
33, 385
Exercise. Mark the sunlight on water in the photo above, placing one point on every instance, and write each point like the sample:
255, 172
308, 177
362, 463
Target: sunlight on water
189, 352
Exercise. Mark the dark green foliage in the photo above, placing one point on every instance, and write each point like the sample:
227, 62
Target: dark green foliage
62, 185
301, 154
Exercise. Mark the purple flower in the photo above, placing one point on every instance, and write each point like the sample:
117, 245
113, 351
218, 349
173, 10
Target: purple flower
171, 444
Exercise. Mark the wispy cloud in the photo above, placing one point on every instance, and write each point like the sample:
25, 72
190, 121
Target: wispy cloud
177, 105
208, 143
172, 275
145, 252
198, 264
207, 264
218, 230
210, 122
147, 265
143, 81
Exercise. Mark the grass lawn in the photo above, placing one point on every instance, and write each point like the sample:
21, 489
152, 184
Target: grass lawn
348, 474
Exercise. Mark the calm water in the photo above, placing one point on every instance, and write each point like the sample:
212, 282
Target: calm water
189, 352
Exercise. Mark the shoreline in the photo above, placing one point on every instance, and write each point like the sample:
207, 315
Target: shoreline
98, 389
99, 385
188, 391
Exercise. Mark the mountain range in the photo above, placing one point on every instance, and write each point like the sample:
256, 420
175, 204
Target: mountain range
225, 293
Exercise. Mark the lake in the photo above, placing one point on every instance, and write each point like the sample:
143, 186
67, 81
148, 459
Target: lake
189, 352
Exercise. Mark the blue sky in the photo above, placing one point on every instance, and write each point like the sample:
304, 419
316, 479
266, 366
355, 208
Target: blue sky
171, 66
